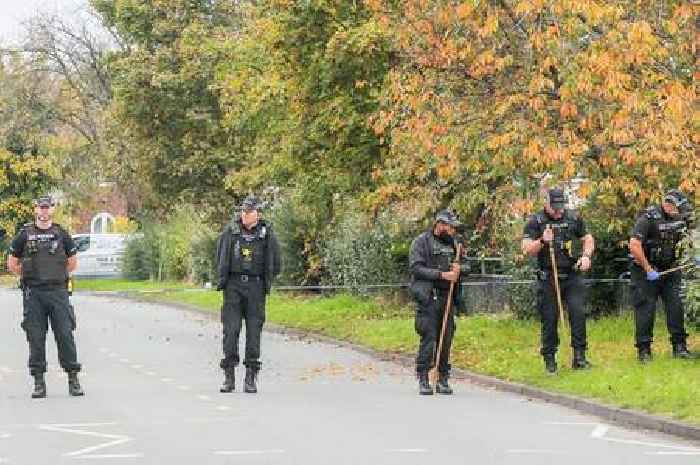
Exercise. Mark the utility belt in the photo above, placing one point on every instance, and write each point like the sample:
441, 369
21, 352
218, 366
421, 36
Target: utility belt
33, 284
545, 275
244, 278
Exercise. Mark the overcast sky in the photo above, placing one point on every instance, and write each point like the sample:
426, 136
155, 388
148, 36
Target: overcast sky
13, 12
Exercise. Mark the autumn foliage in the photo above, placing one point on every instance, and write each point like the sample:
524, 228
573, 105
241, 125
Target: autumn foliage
487, 97
401, 108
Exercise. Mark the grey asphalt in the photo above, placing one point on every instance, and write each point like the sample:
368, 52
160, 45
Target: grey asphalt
151, 379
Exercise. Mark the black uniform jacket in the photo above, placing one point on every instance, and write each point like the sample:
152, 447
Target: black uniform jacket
426, 266
223, 255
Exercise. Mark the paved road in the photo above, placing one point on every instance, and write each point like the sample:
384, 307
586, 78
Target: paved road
151, 380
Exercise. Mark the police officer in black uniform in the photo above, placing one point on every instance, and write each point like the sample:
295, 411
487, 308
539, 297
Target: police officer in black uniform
433, 266
248, 261
43, 254
555, 226
654, 249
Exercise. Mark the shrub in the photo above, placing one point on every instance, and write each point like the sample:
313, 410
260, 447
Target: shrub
136, 263
182, 248
360, 252
203, 248
299, 221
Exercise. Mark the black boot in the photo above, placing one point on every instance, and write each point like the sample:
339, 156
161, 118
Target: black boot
680, 350
229, 380
442, 386
579, 362
251, 375
550, 364
644, 354
39, 391
74, 388
424, 387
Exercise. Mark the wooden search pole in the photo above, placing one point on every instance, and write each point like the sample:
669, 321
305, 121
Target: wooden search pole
553, 259
433, 375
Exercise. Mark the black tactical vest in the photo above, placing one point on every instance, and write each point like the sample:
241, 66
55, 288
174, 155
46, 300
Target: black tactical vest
44, 259
563, 241
443, 256
248, 250
661, 243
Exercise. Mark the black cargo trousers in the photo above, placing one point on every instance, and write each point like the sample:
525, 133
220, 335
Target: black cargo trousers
428, 325
573, 294
645, 294
244, 299
41, 306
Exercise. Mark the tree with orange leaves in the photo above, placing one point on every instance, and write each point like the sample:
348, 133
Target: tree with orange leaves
489, 96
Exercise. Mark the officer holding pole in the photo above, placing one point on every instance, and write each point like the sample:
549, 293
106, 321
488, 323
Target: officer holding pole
435, 269
556, 227
655, 272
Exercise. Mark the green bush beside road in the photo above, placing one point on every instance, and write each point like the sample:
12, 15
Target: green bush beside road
500, 346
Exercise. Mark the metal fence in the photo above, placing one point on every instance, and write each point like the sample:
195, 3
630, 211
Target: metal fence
495, 293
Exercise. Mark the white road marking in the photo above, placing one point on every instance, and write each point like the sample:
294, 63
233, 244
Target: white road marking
652, 444
533, 451
223, 408
184, 388
249, 452
600, 432
672, 453
151, 373
203, 397
408, 451
79, 429
167, 380
136, 367
5, 435
112, 456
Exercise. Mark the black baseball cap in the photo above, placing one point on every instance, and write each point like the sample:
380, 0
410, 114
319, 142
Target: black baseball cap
556, 198
448, 217
45, 201
250, 203
679, 199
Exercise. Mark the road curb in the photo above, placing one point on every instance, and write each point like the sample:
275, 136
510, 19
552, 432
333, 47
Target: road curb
614, 415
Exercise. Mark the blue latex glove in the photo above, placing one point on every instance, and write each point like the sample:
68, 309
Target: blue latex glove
652, 275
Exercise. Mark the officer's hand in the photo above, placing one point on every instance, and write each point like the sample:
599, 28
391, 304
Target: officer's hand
450, 276
548, 235
456, 268
652, 275
584, 263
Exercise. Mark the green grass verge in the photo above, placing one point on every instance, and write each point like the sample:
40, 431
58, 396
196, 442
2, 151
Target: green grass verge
125, 285
503, 347
8, 280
